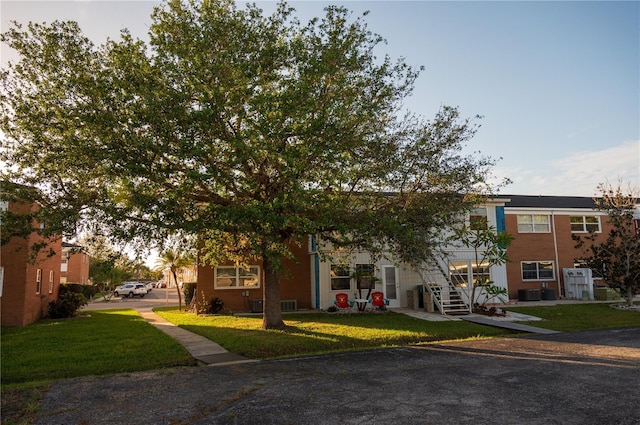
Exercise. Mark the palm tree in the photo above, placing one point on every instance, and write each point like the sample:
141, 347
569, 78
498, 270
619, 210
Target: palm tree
174, 260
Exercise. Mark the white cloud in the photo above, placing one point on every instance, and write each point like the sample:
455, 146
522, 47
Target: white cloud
578, 174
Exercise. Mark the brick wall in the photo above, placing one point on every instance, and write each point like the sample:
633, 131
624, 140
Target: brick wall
542, 247
20, 302
294, 285
78, 268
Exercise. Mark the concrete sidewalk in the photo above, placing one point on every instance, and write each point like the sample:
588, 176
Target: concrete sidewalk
204, 350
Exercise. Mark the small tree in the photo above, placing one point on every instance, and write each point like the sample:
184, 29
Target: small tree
490, 248
618, 256
174, 260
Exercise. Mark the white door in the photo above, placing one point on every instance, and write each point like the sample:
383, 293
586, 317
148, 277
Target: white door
391, 285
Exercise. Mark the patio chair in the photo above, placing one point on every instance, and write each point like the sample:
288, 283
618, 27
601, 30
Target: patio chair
378, 301
343, 302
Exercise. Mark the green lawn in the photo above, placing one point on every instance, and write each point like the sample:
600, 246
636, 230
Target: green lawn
580, 317
96, 343
314, 333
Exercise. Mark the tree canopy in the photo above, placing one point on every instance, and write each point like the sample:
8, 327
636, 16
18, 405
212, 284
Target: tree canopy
250, 130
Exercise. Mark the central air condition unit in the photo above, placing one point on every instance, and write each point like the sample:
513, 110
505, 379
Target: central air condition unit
256, 306
288, 305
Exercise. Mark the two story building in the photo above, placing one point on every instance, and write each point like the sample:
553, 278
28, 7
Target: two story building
543, 253
27, 285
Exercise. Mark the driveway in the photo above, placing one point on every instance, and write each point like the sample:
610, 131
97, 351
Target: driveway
583, 378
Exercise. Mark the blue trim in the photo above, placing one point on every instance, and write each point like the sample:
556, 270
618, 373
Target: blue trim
500, 221
316, 269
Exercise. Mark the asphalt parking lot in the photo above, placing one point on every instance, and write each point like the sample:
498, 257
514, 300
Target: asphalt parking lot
586, 378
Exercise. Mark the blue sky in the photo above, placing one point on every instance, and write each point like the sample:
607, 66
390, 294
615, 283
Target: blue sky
557, 83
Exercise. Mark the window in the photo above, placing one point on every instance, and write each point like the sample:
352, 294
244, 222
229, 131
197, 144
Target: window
531, 223
51, 282
340, 278
585, 223
537, 270
459, 272
478, 219
38, 281
365, 273
229, 277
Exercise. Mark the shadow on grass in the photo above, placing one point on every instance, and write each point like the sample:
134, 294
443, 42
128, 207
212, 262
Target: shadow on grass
315, 333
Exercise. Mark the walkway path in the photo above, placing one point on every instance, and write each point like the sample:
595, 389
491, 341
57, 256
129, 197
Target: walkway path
507, 322
483, 320
202, 349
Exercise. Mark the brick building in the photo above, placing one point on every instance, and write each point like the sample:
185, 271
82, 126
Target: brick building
241, 289
542, 227
28, 285
74, 267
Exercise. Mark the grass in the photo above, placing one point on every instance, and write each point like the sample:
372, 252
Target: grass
580, 317
96, 343
315, 333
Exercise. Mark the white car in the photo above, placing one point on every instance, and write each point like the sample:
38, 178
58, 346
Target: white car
131, 290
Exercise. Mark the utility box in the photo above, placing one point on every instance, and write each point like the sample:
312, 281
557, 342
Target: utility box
548, 294
256, 305
412, 299
577, 282
528, 295
606, 294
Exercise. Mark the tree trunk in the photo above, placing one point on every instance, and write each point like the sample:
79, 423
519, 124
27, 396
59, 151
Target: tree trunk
177, 289
630, 295
272, 316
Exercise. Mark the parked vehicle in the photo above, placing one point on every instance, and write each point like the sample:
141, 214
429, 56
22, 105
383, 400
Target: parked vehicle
130, 290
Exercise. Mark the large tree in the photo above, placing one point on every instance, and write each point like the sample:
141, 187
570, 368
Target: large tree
251, 131
617, 256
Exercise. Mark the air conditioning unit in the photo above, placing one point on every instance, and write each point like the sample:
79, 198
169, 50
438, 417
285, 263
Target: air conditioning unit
288, 305
256, 306
285, 305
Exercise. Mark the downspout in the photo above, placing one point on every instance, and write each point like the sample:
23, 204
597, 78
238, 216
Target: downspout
316, 269
555, 249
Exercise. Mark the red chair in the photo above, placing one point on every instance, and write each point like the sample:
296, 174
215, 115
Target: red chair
343, 302
378, 301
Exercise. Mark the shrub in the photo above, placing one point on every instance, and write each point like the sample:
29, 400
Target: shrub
69, 301
213, 306
216, 305
188, 289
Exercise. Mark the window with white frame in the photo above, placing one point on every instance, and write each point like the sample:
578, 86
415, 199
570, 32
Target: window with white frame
51, 281
230, 277
533, 223
537, 270
585, 224
459, 272
478, 219
38, 281
340, 277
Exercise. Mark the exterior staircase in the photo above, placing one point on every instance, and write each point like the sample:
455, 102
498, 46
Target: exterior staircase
442, 287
